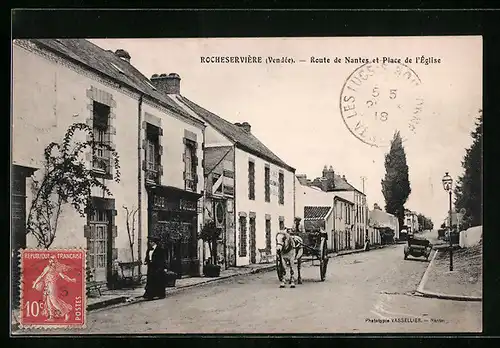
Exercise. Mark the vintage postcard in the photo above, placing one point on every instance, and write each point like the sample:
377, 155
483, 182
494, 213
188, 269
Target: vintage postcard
247, 185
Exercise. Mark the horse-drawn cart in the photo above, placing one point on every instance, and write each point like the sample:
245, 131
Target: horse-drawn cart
314, 247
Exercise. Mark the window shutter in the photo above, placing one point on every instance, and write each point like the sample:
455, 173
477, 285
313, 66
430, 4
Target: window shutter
107, 136
86, 231
110, 168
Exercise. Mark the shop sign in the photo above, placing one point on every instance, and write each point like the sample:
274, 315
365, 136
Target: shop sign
188, 205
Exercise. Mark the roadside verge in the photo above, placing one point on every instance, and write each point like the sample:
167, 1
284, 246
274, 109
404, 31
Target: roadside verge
464, 283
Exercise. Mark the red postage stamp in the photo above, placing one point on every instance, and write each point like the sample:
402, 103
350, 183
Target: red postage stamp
53, 288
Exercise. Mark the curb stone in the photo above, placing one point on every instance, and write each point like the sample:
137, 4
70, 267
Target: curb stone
125, 301
122, 300
421, 291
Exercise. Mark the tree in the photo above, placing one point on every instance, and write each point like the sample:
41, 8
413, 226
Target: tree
468, 190
210, 233
424, 222
130, 216
66, 179
396, 185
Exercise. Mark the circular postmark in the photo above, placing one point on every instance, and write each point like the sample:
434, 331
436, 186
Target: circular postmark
379, 99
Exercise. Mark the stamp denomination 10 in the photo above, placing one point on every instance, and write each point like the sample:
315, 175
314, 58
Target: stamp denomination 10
379, 99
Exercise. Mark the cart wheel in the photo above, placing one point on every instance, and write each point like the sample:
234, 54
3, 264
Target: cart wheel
323, 259
279, 269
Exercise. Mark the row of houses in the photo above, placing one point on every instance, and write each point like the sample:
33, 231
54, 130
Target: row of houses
181, 165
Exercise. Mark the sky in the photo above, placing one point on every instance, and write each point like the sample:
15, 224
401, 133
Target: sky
295, 108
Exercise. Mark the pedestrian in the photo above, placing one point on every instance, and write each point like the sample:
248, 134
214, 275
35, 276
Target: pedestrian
155, 260
367, 241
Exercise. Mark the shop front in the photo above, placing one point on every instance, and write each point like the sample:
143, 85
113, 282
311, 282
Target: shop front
173, 218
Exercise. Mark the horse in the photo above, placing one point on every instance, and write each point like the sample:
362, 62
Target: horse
289, 249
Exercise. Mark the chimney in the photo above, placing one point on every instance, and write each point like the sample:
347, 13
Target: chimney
325, 171
169, 84
244, 126
324, 185
302, 179
330, 177
123, 55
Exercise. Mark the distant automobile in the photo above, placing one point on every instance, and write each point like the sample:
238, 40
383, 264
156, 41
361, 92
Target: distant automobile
441, 233
455, 237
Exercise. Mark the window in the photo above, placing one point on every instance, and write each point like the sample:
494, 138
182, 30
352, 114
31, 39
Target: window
267, 183
101, 160
268, 234
281, 182
98, 240
282, 225
251, 180
190, 165
153, 154
243, 237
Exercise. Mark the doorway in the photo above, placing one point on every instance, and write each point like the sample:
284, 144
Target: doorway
18, 221
99, 244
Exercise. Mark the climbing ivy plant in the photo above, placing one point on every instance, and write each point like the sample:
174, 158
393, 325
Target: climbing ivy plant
67, 178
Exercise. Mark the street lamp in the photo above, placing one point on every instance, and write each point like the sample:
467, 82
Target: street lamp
447, 185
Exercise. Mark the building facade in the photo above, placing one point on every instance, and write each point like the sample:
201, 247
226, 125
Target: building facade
378, 220
328, 210
337, 186
58, 83
219, 200
411, 221
264, 186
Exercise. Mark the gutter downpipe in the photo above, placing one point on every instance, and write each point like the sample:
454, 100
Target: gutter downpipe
203, 201
294, 198
235, 211
139, 183
335, 246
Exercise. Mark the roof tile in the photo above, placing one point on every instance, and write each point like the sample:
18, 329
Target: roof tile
245, 139
316, 212
107, 63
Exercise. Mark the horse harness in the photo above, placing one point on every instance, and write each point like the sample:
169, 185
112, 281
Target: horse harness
291, 243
